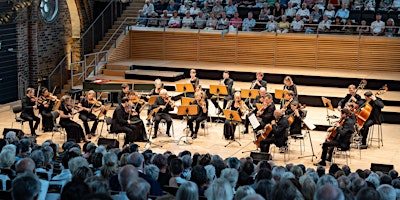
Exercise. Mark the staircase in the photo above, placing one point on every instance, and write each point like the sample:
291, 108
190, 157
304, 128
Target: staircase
130, 11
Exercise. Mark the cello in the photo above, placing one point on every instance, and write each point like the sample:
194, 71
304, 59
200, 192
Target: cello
362, 114
267, 130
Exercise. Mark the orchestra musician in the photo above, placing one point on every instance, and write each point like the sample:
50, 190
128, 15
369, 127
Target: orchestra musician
352, 96
164, 104
88, 106
73, 129
238, 105
259, 82
375, 116
136, 124
194, 81
278, 134
123, 93
158, 86
259, 99
228, 82
29, 102
287, 99
46, 103
266, 112
202, 113
297, 114
289, 85
344, 131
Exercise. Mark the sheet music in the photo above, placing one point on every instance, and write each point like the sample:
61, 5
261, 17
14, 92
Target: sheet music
253, 121
309, 124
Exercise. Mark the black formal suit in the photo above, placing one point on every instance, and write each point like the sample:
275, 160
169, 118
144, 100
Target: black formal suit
375, 117
229, 87
201, 116
120, 124
347, 98
162, 114
28, 114
278, 135
85, 116
342, 139
267, 116
263, 83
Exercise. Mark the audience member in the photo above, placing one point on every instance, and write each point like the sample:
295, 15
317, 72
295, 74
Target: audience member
187, 190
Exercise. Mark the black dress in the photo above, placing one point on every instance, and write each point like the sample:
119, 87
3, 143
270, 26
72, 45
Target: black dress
230, 126
137, 126
47, 117
28, 114
73, 129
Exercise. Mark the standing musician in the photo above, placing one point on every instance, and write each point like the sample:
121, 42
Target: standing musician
194, 81
164, 104
296, 114
202, 113
73, 129
28, 104
89, 105
289, 85
136, 106
375, 117
46, 103
228, 82
259, 82
266, 112
351, 97
259, 99
123, 93
344, 131
235, 104
278, 134
121, 123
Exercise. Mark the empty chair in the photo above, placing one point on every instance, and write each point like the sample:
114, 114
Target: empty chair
17, 112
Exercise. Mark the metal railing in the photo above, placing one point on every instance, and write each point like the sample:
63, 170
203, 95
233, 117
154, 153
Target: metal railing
94, 33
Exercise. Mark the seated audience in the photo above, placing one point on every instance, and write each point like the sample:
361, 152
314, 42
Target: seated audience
248, 23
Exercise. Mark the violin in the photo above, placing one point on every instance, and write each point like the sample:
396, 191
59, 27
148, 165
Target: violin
94, 102
33, 99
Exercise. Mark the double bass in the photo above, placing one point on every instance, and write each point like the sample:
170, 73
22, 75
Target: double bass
362, 114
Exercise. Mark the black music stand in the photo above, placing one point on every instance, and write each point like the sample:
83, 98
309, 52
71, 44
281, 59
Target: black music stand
309, 126
186, 111
184, 87
248, 95
233, 116
218, 90
328, 105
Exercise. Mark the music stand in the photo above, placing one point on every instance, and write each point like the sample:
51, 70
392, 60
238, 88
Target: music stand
218, 90
184, 87
248, 95
233, 116
328, 105
187, 111
185, 101
309, 126
278, 93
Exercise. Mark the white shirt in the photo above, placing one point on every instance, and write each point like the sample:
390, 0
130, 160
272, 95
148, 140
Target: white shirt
147, 9
173, 20
324, 24
377, 27
297, 25
64, 175
329, 14
194, 11
304, 12
290, 12
183, 9
187, 22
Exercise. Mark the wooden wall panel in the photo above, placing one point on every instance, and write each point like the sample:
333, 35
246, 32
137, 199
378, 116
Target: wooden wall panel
122, 50
181, 46
337, 52
295, 50
146, 44
215, 48
380, 54
256, 49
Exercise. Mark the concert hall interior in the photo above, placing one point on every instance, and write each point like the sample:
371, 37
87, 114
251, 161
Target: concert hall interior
90, 72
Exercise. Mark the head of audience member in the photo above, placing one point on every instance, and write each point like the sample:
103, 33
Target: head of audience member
77, 162
97, 185
187, 190
136, 159
327, 180
138, 189
38, 157
231, 175
344, 183
344, 6
25, 187
233, 162
308, 186
385, 179
367, 193
219, 189
329, 192
11, 137
236, 15
25, 165
387, 192
250, 15
297, 171
198, 175
277, 173
176, 167
127, 174
244, 191
285, 189
152, 171
7, 158
393, 174
298, 17
74, 190
161, 162
82, 173
378, 17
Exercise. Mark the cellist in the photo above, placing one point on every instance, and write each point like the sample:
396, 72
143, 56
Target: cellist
344, 130
375, 116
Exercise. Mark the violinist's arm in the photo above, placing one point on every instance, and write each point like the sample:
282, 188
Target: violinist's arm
63, 115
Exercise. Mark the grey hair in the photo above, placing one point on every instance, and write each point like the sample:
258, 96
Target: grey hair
138, 189
244, 191
387, 192
327, 180
329, 192
37, 157
187, 190
219, 189
210, 173
231, 175
77, 162
186, 161
25, 187
136, 159
152, 171
277, 172
7, 158
287, 175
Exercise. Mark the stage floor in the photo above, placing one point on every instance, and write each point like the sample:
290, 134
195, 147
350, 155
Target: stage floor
214, 143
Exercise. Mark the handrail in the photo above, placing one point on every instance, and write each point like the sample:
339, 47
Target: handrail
58, 66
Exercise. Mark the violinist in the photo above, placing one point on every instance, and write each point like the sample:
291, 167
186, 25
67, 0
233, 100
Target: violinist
46, 102
296, 114
123, 93
136, 105
28, 104
194, 81
375, 116
158, 86
238, 105
352, 96
89, 105
344, 130
202, 112
73, 129
228, 82
259, 99
163, 104
278, 133
288, 86
287, 99
266, 113
121, 122
259, 82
